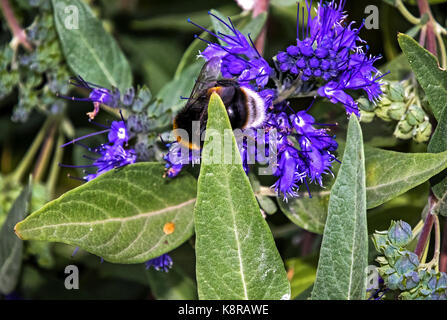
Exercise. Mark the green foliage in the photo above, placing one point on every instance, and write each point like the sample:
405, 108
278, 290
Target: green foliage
172, 285
342, 264
388, 175
438, 143
235, 251
11, 247
106, 66
302, 274
399, 103
120, 215
38, 75
431, 78
391, 173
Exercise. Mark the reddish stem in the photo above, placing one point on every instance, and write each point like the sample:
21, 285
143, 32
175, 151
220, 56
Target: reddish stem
443, 256
426, 229
16, 30
307, 243
424, 8
260, 7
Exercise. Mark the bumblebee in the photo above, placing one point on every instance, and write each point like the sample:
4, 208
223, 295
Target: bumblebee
245, 108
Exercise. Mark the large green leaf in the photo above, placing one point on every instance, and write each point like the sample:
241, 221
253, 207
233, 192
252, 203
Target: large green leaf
11, 247
235, 251
89, 50
388, 175
438, 143
431, 78
119, 215
344, 251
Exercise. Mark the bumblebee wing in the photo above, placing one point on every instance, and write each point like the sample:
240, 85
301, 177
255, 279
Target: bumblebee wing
208, 75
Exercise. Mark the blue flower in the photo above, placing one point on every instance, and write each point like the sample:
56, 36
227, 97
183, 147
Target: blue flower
163, 262
331, 53
239, 57
111, 155
118, 132
308, 158
98, 95
304, 152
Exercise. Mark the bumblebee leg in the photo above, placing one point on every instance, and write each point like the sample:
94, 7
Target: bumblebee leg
95, 111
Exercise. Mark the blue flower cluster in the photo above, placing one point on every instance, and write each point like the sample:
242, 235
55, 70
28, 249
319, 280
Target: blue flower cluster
331, 53
304, 153
401, 269
113, 154
110, 155
239, 57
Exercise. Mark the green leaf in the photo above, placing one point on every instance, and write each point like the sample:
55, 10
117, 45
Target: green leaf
343, 258
388, 175
414, 2
438, 143
119, 215
399, 68
302, 274
254, 27
168, 99
431, 78
441, 206
308, 213
235, 251
172, 285
11, 247
90, 51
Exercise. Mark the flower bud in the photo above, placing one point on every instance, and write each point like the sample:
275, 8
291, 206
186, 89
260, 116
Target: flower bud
403, 130
400, 233
415, 115
409, 261
366, 116
397, 110
396, 92
382, 112
365, 104
423, 132
384, 102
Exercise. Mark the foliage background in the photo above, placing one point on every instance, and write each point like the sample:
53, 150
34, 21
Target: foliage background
153, 35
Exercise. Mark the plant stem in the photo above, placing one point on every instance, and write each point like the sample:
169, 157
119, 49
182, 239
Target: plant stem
426, 229
443, 257
435, 260
19, 35
266, 191
407, 14
418, 228
44, 156
18, 173
55, 168
437, 243
260, 7
442, 49
424, 8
